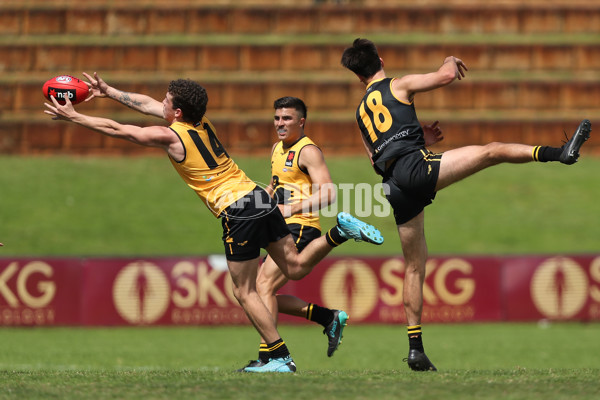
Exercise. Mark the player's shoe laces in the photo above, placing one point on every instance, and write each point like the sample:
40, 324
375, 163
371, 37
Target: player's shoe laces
570, 152
275, 365
418, 361
334, 331
353, 228
251, 363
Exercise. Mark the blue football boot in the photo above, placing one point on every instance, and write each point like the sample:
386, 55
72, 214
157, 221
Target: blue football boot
353, 228
275, 365
334, 331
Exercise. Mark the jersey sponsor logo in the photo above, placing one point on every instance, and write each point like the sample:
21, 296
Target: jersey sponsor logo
398, 135
289, 161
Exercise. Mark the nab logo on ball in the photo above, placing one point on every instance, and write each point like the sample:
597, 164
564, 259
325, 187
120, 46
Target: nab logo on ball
65, 87
61, 94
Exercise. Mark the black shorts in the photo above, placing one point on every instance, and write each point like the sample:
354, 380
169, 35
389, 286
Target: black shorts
250, 224
303, 235
411, 181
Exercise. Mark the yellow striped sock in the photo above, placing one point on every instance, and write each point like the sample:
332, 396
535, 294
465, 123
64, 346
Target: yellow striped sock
309, 312
535, 153
414, 330
276, 346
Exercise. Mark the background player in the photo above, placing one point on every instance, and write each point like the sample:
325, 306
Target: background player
395, 143
301, 183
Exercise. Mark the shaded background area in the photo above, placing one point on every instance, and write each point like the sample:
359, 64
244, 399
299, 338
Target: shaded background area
533, 65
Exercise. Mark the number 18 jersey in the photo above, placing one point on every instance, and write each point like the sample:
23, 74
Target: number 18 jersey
388, 124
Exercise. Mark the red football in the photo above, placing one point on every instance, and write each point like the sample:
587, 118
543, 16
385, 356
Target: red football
65, 86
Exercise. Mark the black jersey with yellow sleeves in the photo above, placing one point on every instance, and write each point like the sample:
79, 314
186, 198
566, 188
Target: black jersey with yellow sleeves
291, 183
388, 124
207, 168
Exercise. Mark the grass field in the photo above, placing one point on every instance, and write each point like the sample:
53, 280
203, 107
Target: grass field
477, 361
131, 206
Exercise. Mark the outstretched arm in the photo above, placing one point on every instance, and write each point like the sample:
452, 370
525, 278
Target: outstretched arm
139, 102
154, 136
405, 87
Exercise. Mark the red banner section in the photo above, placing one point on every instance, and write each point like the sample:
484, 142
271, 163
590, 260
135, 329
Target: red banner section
36, 292
197, 291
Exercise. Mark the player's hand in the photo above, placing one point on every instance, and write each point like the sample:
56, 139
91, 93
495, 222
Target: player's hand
432, 133
60, 112
460, 66
96, 85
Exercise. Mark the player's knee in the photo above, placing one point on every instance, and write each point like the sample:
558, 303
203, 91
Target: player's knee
290, 266
241, 295
237, 293
493, 152
296, 275
295, 272
265, 287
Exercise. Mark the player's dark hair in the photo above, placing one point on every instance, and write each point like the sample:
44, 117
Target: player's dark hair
291, 102
362, 58
190, 97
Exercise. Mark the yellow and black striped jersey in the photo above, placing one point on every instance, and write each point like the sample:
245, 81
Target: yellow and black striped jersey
207, 168
292, 184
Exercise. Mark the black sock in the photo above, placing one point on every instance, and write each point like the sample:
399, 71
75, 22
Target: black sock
263, 353
334, 237
318, 314
278, 349
414, 338
546, 153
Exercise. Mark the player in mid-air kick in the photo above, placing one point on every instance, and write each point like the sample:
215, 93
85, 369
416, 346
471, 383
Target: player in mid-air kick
396, 145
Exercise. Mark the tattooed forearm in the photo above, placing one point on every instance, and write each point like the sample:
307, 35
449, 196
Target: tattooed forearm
128, 101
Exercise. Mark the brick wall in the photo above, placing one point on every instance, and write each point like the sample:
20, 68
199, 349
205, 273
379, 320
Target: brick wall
532, 66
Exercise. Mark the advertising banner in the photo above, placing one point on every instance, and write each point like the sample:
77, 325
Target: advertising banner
554, 288
456, 289
162, 291
198, 291
40, 292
